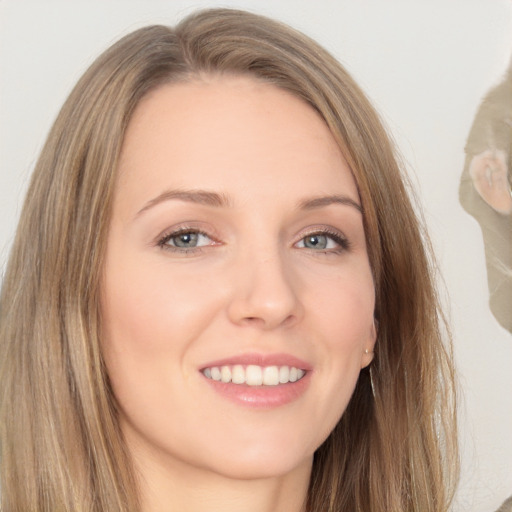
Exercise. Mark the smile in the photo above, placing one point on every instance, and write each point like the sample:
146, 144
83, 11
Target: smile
254, 375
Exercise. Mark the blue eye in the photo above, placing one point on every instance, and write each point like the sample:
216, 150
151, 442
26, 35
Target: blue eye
316, 242
189, 239
323, 241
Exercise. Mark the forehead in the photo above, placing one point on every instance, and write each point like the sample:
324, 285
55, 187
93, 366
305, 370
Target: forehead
231, 132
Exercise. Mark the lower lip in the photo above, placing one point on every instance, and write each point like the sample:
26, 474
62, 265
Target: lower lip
262, 397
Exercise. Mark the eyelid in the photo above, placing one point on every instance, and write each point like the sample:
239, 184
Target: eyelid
183, 228
335, 234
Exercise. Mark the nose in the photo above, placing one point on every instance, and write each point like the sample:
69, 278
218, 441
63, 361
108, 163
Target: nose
265, 293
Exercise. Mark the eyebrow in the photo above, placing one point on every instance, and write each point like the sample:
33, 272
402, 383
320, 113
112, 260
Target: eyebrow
319, 202
192, 196
207, 198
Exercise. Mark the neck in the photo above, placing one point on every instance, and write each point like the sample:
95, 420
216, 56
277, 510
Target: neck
179, 488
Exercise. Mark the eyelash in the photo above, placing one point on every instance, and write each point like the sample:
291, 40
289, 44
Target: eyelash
343, 243
162, 242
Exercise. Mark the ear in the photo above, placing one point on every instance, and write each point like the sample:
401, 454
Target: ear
369, 346
489, 171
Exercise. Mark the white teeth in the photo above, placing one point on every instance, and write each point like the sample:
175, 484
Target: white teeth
237, 374
254, 375
270, 376
225, 374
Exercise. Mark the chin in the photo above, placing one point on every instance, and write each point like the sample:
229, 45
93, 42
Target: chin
260, 457
261, 468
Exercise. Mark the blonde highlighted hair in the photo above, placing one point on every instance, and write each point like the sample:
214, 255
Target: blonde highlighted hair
394, 449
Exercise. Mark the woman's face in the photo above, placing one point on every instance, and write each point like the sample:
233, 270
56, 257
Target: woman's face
236, 251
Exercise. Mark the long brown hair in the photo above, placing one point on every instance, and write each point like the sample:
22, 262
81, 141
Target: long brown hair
393, 449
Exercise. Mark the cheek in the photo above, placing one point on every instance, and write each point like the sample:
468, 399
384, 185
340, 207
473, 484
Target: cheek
343, 308
151, 319
149, 322
151, 307
343, 317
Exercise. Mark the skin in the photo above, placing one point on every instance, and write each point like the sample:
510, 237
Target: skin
489, 172
252, 285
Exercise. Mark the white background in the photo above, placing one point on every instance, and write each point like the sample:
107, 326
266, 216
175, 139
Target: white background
426, 66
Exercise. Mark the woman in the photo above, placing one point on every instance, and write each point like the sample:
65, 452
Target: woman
219, 294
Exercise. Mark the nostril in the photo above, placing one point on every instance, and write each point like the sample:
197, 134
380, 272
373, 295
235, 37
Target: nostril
253, 319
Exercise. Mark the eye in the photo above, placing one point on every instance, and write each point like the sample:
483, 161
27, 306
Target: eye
323, 241
317, 242
185, 239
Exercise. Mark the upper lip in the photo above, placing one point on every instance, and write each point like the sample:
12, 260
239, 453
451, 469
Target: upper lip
263, 360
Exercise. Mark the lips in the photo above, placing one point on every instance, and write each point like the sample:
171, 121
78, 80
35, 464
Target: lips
259, 380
